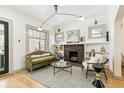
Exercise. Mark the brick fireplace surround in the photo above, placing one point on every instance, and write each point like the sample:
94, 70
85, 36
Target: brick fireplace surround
79, 48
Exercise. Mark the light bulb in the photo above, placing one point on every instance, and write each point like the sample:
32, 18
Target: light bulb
40, 28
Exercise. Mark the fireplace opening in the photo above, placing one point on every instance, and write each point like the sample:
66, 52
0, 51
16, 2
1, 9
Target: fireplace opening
73, 56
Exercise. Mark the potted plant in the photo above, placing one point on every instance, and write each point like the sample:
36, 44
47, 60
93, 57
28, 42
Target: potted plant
61, 57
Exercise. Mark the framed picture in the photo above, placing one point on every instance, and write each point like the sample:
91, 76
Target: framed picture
73, 36
97, 31
59, 37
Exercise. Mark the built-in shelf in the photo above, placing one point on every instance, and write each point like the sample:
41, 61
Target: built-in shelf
97, 42
100, 52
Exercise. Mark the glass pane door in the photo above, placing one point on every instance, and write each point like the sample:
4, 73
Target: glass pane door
3, 47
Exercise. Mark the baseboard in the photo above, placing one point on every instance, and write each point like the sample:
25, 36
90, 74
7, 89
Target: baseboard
19, 70
15, 71
114, 76
118, 77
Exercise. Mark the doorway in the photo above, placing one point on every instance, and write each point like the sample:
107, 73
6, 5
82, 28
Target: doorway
4, 47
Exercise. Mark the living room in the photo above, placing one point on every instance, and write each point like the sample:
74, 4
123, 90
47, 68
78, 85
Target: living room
45, 42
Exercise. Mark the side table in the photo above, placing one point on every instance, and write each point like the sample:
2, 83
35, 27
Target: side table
97, 82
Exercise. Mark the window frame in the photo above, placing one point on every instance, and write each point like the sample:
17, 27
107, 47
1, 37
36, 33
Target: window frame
29, 27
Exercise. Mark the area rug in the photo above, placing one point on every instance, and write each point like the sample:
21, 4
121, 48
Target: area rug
63, 79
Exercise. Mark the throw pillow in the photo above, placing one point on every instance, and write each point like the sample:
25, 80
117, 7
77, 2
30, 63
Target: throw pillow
93, 60
101, 58
35, 56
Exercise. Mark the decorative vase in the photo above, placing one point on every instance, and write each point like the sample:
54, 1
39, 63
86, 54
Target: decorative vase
103, 49
107, 36
81, 39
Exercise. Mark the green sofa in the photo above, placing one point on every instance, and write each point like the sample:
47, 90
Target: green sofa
39, 58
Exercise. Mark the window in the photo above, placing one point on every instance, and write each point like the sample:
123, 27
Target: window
36, 40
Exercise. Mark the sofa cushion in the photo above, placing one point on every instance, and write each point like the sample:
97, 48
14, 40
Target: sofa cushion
93, 60
43, 59
45, 54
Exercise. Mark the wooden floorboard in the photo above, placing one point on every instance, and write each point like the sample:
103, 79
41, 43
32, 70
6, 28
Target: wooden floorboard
18, 80
114, 82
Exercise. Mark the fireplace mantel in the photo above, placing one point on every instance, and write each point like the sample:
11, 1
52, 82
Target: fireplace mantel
85, 43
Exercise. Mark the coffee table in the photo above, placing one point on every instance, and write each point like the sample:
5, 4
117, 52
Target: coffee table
61, 66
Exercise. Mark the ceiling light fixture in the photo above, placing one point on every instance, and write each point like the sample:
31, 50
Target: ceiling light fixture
40, 28
81, 18
57, 13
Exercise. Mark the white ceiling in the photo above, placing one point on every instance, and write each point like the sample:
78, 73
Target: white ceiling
42, 12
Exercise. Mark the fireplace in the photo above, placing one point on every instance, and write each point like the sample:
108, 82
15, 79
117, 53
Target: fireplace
73, 56
74, 53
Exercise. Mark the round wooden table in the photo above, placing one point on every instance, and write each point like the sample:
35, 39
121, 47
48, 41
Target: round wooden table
61, 66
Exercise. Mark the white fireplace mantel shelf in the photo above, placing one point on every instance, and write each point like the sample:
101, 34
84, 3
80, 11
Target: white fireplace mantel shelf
83, 43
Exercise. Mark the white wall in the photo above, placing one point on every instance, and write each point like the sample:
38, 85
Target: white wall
118, 48
111, 17
19, 22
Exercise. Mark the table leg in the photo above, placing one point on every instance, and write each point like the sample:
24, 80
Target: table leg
71, 70
54, 71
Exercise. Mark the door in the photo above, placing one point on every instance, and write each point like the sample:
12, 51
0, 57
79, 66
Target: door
4, 47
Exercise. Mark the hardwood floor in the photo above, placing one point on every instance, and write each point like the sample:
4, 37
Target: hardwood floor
114, 82
21, 80
18, 80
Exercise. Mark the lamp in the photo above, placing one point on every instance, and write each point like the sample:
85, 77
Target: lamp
57, 13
